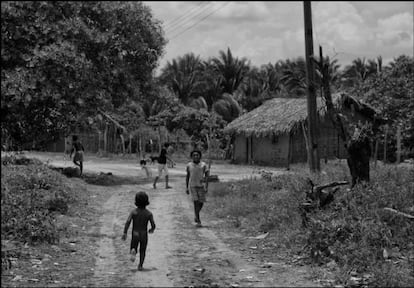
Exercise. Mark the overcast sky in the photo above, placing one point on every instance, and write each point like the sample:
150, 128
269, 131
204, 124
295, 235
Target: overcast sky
266, 32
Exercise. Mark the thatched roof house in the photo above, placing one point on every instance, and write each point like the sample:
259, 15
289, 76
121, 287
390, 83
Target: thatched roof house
272, 134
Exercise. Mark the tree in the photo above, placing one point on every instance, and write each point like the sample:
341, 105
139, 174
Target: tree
61, 60
182, 76
391, 92
294, 77
231, 70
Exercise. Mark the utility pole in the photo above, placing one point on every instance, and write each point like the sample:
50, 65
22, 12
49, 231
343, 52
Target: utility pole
313, 156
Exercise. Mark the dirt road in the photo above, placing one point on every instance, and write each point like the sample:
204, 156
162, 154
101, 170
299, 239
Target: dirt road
178, 253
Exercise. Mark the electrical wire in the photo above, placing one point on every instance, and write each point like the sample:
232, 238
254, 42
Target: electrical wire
175, 21
222, 6
190, 18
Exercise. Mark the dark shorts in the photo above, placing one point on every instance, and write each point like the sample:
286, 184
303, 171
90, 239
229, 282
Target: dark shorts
198, 193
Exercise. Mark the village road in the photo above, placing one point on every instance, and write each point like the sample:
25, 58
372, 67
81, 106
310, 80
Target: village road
178, 253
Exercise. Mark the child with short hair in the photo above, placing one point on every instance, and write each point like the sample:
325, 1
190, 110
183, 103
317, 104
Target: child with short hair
140, 217
197, 174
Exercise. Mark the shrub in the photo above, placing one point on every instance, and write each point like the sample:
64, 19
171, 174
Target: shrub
30, 194
353, 230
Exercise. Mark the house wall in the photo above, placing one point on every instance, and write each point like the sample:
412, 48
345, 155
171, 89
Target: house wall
272, 151
240, 150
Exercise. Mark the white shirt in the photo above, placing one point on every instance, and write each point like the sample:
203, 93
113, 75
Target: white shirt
197, 172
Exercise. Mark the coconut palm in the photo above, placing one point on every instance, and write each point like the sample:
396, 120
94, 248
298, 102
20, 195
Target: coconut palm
231, 70
182, 76
294, 76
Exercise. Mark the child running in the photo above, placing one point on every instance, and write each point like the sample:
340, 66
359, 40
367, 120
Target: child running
140, 217
78, 148
197, 173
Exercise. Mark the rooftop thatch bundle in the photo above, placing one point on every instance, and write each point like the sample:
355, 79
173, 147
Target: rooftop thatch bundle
281, 115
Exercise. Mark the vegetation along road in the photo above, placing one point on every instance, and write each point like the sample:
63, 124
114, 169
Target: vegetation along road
178, 253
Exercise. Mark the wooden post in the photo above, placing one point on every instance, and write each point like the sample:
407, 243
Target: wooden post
311, 95
106, 138
376, 152
398, 144
385, 144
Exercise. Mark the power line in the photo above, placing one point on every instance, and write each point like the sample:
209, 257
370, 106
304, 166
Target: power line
189, 11
189, 19
222, 6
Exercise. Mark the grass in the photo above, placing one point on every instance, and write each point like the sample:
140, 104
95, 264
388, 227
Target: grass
353, 231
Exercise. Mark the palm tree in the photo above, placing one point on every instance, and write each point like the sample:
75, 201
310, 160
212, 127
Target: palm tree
182, 76
359, 71
231, 70
294, 76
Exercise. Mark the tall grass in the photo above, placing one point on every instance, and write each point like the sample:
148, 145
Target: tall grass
354, 231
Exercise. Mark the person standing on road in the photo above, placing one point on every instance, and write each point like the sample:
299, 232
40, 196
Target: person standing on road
162, 166
140, 217
197, 173
78, 149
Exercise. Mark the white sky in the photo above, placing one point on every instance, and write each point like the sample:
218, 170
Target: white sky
266, 32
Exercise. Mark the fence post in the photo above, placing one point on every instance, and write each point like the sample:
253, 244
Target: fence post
398, 144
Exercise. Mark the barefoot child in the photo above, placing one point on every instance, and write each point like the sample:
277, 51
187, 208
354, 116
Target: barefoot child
78, 149
197, 173
140, 217
144, 167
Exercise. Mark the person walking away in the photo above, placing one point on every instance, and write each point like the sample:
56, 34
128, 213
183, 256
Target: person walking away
162, 166
197, 173
78, 149
140, 217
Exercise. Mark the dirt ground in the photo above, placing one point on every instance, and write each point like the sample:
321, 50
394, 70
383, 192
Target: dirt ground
178, 254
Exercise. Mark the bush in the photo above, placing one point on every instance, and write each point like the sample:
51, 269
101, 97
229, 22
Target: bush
354, 230
30, 196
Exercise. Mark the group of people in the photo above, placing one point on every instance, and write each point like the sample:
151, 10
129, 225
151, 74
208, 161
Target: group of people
197, 173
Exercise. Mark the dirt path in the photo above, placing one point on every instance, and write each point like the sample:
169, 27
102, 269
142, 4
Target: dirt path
178, 253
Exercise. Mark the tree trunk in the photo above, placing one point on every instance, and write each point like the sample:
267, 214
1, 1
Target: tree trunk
359, 153
130, 144
122, 143
106, 138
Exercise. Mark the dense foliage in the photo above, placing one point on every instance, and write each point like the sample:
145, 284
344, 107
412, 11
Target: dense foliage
354, 236
61, 60
31, 195
392, 93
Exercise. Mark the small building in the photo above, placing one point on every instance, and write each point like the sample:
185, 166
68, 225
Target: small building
274, 134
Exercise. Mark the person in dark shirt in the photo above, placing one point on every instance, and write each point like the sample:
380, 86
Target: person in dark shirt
162, 166
78, 149
140, 217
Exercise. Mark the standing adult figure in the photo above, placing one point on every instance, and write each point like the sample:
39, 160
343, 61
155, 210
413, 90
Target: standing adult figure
197, 174
162, 166
78, 149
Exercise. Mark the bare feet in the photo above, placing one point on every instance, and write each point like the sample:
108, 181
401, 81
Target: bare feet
139, 267
133, 254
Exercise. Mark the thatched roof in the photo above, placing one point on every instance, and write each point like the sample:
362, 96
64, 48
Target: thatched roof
281, 115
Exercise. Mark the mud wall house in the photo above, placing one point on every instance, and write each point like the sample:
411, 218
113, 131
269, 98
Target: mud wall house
273, 134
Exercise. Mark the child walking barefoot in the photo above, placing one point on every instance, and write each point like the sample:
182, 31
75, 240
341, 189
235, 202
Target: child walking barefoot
197, 173
140, 217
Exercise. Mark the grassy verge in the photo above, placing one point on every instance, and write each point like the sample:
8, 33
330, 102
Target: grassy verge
353, 237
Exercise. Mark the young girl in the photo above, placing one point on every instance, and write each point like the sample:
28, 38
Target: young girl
140, 217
